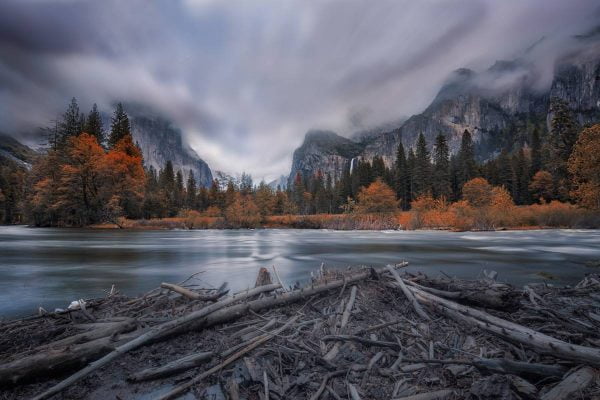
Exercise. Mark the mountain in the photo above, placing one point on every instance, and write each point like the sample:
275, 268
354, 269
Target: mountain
498, 106
324, 151
161, 141
281, 183
11, 150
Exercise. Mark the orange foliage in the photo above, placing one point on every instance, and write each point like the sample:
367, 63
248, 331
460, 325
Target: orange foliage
377, 198
584, 164
542, 186
242, 213
478, 192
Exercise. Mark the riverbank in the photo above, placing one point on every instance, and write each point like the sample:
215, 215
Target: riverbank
457, 217
369, 333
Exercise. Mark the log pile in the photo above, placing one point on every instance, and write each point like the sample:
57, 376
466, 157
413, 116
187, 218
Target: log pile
356, 334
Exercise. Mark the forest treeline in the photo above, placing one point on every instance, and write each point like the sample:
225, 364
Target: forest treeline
89, 175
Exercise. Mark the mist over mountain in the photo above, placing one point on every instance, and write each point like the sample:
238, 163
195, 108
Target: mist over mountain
498, 105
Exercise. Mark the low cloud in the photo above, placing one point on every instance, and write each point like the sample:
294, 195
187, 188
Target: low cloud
246, 80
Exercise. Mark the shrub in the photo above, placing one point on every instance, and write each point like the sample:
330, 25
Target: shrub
242, 213
377, 198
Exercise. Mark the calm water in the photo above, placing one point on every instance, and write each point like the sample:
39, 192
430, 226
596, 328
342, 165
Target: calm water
51, 267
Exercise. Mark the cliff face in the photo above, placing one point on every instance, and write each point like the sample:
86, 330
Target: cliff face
323, 151
497, 106
161, 141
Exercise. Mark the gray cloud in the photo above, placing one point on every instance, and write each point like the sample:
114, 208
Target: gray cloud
246, 80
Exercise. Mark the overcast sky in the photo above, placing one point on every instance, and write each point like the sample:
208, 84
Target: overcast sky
246, 79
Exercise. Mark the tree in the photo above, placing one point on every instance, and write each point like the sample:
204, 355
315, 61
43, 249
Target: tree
191, 191
264, 199
125, 177
119, 126
422, 169
71, 123
563, 135
467, 167
584, 165
246, 184
520, 177
93, 125
80, 183
242, 213
478, 192
402, 177
542, 186
377, 198
536, 151
441, 168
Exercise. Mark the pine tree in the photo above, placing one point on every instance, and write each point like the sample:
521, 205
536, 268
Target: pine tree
344, 187
411, 161
70, 125
441, 168
536, 151
563, 135
466, 159
120, 126
179, 192
191, 191
422, 169
93, 125
402, 177
378, 168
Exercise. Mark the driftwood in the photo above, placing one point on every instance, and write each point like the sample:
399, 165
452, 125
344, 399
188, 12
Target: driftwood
174, 367
437, 395
390, 352
509, 330
573, 384
259, 341
190, 294
263, 278
54, 361
419, 310
156, 332
486, 294
345, 317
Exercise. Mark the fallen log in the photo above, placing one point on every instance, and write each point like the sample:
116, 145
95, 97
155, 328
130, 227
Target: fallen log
55, 361
476, 293
573, 383
190, 294
510, 330
408, 294
102, 330
259, 341
358, 339
172, 368
155, 333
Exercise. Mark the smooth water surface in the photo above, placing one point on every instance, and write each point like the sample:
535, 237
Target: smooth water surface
51, 267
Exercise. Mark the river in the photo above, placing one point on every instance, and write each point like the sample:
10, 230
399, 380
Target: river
50, 267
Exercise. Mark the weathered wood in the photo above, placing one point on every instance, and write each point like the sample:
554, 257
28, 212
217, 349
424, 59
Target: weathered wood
156, 332
437, 395
332, 353
172, 368
258, 342
263, 278
504, 366
408, 294
51, 362
358, 339
510, 330
190, 294
573, 384
101, 330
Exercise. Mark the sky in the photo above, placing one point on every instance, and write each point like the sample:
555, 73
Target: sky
245, 80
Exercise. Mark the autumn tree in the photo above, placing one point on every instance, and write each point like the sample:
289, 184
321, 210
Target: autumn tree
243, 212
478, 192
584, 165
119, 126
264, 199
377, 198
542, 186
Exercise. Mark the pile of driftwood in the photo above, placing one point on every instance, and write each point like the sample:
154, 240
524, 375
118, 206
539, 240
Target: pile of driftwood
356, 334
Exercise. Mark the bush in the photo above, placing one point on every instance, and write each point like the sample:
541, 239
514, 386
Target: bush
242, 213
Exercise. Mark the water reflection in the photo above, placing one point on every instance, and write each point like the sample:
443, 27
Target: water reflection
50, 267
